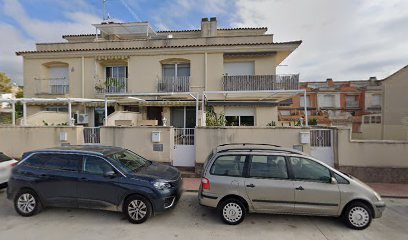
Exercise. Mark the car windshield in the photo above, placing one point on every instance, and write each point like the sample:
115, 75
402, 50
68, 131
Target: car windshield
4, 158
130, 160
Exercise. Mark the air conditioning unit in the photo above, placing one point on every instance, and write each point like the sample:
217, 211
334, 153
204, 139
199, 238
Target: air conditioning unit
82, 119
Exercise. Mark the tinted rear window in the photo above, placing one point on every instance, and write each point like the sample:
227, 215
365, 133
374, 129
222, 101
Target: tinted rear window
65, 162
4, 157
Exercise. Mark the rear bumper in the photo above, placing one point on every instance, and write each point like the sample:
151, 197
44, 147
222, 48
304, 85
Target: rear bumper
207, 200
379, 208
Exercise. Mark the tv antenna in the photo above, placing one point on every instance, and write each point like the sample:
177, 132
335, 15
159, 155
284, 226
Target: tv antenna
105, 14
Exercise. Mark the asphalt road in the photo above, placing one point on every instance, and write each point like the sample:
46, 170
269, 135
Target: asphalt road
191, 221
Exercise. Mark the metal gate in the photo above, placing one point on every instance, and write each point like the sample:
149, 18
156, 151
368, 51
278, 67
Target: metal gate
321, 143
184, 147
92, 135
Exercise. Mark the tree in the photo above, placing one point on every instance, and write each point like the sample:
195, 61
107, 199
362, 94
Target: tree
5, 83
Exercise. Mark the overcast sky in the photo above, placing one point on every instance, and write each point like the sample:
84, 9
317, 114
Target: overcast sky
342, 39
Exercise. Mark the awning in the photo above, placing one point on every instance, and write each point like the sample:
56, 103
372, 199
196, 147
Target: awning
156, 103
251, 103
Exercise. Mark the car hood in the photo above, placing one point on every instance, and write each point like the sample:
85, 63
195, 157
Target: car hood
159, 171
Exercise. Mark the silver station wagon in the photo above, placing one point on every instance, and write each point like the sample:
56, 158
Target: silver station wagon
245, 178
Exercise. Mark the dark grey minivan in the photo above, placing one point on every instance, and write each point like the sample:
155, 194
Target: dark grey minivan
98, 177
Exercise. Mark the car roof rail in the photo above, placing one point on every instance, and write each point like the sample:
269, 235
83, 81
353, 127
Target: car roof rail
256, 147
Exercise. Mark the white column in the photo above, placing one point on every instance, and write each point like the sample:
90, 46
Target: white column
106, 112
13, 113
24, 113
305, 106
69, 113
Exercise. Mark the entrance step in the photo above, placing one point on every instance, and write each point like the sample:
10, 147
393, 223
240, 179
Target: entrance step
187, 172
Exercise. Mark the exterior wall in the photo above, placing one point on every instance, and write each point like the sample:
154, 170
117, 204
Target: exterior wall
124, 116
209, 138
265, 115
42, 118
395, 111
373, 161
139, 140
23, 139
370, 132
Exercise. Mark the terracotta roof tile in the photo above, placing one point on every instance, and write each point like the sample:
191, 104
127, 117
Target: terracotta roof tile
157, 47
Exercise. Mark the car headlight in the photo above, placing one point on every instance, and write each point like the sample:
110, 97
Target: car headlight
377, 196
161, 185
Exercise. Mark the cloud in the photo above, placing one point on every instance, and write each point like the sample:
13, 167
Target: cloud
26, 31
344, 39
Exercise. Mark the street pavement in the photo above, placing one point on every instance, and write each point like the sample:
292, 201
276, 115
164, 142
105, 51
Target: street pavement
192, 221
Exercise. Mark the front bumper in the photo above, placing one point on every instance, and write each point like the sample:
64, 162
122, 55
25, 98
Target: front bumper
168, 200
379, 208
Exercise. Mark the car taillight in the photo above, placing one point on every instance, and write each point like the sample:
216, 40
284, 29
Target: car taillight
13, 164
205, 183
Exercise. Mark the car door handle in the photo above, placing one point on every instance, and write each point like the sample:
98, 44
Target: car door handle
251, 185
300, 188
83, 179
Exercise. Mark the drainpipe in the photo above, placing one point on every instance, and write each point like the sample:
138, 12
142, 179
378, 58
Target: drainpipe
197, 98
305, 106
83, 76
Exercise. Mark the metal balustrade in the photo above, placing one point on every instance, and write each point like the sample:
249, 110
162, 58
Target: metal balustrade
112, 85
261, 82
184, 136
174, 84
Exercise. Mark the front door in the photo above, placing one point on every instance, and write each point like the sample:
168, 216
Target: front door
99, 115
96, 190
155, 113
184, 121
314, 192
268, 185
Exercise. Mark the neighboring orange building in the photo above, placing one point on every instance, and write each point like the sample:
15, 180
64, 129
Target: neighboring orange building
334, 103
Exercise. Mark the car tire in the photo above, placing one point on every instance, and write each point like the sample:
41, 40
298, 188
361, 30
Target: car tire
232, 211
27, 203
137, 209
357, 216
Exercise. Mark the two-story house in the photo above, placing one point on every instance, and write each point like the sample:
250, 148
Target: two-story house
161, 75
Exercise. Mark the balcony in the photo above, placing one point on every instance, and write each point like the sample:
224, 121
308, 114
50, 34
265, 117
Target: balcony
52, 86
261, 82
352, 104
111, 85
174, 84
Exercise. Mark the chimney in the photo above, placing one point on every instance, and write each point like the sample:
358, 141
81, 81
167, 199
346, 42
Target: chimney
330, 82
209, 27
372, 79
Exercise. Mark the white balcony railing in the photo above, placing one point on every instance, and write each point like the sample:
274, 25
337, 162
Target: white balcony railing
54, 86
112, 85
261, 82
174, 84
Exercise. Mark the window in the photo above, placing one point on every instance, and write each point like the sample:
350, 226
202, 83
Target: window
285, 113
268, 167
56, 109
64, 162
352, 101
228, 165
130, 160
376, 119
240, 120
176, 70
306, 169
366, 119
376, 100
95, 165
328, 101
4, 157
302, 101
59, 80
340, 179
117, 72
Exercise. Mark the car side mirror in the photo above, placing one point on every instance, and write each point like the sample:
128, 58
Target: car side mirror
109, 174
333, 180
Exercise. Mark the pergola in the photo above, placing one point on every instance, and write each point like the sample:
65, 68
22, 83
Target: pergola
261, 96
166, 99
67, 101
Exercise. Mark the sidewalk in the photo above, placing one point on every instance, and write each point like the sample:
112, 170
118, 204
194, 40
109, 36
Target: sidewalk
390, 190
